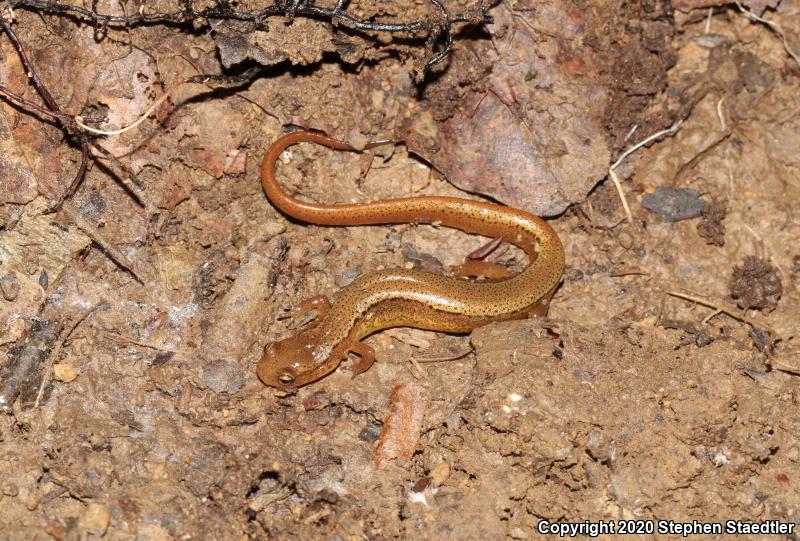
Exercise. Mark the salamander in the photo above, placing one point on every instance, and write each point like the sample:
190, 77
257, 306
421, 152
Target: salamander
402, 297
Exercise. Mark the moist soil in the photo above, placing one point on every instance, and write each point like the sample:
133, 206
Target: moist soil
663, 385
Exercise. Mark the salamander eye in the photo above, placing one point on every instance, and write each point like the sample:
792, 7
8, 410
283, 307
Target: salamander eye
287, 377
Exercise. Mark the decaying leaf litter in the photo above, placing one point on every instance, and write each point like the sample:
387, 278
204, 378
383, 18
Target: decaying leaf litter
145, 301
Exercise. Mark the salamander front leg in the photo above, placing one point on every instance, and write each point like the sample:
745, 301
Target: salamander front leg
366, 358
316, 306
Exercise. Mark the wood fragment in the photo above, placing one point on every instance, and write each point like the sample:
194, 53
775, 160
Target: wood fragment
401, 428
121, 260
26, 360
52, 356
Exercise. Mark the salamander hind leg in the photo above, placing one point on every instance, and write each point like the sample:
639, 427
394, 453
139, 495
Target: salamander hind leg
366, 358
474, 268
540, 308
480, 263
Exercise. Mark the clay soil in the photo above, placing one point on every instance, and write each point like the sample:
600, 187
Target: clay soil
132, 317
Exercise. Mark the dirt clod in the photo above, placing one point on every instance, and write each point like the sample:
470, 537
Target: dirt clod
96, 519
711, 227
9, 286
756, 285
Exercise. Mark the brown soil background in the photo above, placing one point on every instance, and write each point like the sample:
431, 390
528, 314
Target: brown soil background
144, 418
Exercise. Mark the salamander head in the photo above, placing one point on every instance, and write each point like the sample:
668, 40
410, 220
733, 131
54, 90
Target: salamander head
296, 361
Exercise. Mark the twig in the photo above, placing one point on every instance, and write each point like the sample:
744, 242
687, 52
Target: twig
723, 125
434, 27
744, 318
630, 133
612, 173
442, 357
775, 27
115, 255
122, 174
721, 310
59, 346
41, 336
128, 340
79, 120
53, 109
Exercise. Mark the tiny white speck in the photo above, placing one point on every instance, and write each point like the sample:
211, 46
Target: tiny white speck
514, 397
720, 459
418, 497
180, 314
506, 409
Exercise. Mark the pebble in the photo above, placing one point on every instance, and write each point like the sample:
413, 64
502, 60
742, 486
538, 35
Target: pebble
674, 204
64, 372
9, 286
440, 473
96, 518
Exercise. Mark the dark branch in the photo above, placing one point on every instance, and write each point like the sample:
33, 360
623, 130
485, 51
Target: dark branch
434, 27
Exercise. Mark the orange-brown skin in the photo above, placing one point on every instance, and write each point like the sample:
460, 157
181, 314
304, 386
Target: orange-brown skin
400, 297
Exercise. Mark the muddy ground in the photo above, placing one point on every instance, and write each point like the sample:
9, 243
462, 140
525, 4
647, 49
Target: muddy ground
135, 309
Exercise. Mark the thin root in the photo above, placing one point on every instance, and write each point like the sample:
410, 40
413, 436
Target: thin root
775, 27
59, 346
739, 316
612, 173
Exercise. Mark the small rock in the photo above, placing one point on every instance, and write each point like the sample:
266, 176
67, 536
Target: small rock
64, 372
674, 204
272, 229
440, 473
518, 533
96, 519
370, 432
9, 286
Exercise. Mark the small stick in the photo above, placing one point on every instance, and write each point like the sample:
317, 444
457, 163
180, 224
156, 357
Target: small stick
775, 27
721, 310
128, 340
115, 255
59, 346
740, 317
723, 126
612, 173
441, 358
79, 120
123, 174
